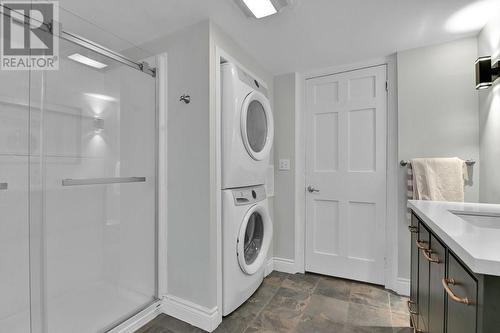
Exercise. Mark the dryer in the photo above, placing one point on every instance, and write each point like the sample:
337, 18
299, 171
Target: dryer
247, 231
247, 129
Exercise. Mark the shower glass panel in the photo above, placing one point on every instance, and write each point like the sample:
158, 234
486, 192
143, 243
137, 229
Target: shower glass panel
14, 194
93, 194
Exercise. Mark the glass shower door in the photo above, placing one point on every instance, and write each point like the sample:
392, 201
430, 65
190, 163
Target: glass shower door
14, 201
93, 193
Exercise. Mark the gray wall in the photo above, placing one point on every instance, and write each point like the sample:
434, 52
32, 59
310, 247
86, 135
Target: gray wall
489, 113
284, 147
188, 172
437, 116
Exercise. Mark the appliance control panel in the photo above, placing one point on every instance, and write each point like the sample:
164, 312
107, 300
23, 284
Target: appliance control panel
249, 195
255, 84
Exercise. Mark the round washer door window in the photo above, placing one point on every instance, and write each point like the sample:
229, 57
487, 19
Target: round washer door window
257, 128
254, 239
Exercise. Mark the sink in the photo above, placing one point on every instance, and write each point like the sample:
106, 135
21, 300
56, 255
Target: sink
480, 220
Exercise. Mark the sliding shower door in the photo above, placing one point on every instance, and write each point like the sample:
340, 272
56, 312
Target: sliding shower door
93, 193
14, 201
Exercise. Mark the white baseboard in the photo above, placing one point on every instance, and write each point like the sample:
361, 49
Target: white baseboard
285, 265
402, 286
194, 314
269, 267
139, 320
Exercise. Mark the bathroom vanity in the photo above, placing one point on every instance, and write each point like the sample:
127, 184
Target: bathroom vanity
455, 267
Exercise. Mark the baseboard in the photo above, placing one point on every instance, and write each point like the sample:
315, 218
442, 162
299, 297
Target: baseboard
269, 267
194, 314
139, 320
285, 265
402, 286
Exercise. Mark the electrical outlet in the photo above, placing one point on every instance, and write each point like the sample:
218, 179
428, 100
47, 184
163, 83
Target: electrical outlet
284, 164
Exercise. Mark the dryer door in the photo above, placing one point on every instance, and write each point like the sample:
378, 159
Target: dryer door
254, 238
257, 126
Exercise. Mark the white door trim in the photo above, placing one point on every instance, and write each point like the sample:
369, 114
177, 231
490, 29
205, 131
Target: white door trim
162, 86
391, 270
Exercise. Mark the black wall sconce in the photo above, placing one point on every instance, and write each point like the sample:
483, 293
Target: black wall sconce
485, 73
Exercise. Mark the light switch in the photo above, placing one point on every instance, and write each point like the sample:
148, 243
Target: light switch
284, 164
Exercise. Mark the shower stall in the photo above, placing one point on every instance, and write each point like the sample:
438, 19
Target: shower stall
78, 192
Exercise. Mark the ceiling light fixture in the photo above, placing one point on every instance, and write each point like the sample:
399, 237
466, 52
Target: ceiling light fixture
485, 73
87, 61
262, 8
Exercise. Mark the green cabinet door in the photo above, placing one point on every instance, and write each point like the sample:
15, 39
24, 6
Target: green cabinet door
461, 288
414, 263
423, 244
437, 259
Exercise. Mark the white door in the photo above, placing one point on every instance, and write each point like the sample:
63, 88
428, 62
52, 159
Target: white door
346, 174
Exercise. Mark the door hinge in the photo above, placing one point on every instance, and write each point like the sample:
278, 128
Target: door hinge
386, 86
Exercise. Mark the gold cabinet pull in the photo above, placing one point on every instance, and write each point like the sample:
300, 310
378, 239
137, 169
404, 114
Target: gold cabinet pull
446, 285
428, 255
421, 246
410, 310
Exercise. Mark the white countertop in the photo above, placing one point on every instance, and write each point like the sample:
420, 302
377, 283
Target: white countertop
477, 247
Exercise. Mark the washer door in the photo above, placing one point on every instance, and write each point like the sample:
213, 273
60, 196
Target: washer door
254, 238
257, 126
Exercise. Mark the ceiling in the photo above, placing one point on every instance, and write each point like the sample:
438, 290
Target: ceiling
310, 34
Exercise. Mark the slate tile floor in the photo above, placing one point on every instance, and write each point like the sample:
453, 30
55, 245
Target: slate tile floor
307, 303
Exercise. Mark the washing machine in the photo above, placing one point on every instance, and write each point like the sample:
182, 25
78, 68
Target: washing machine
247, 128
247, 231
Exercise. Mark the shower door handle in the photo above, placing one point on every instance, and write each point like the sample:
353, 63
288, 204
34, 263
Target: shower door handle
4, 186
102, 181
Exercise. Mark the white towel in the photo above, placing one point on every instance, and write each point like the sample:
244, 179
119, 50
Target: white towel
439, 179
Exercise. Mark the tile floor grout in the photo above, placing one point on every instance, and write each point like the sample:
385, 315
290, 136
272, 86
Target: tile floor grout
298, 303
264, 306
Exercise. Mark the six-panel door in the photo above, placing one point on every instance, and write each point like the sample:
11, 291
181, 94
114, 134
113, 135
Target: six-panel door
346, 118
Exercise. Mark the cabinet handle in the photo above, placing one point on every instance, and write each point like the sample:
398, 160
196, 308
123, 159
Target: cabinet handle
412, 320
446, 283
428, 255
413, 229
410, 310
420, 246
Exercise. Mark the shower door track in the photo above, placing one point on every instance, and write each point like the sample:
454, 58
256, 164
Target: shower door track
83, 42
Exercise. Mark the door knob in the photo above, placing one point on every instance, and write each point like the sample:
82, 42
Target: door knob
311, 189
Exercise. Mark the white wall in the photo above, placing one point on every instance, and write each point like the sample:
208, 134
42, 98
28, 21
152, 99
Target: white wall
489, 113
437, 115
191, 275
284, 147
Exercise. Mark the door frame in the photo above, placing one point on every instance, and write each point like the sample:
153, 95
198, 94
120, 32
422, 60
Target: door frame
392, 281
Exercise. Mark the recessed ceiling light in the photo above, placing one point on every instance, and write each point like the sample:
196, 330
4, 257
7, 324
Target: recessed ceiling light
260, 8
87, 61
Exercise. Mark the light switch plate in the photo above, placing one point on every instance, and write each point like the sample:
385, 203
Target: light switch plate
284, 164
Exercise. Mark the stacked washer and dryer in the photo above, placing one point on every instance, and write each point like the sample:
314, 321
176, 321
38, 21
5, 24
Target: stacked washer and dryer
247, 137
